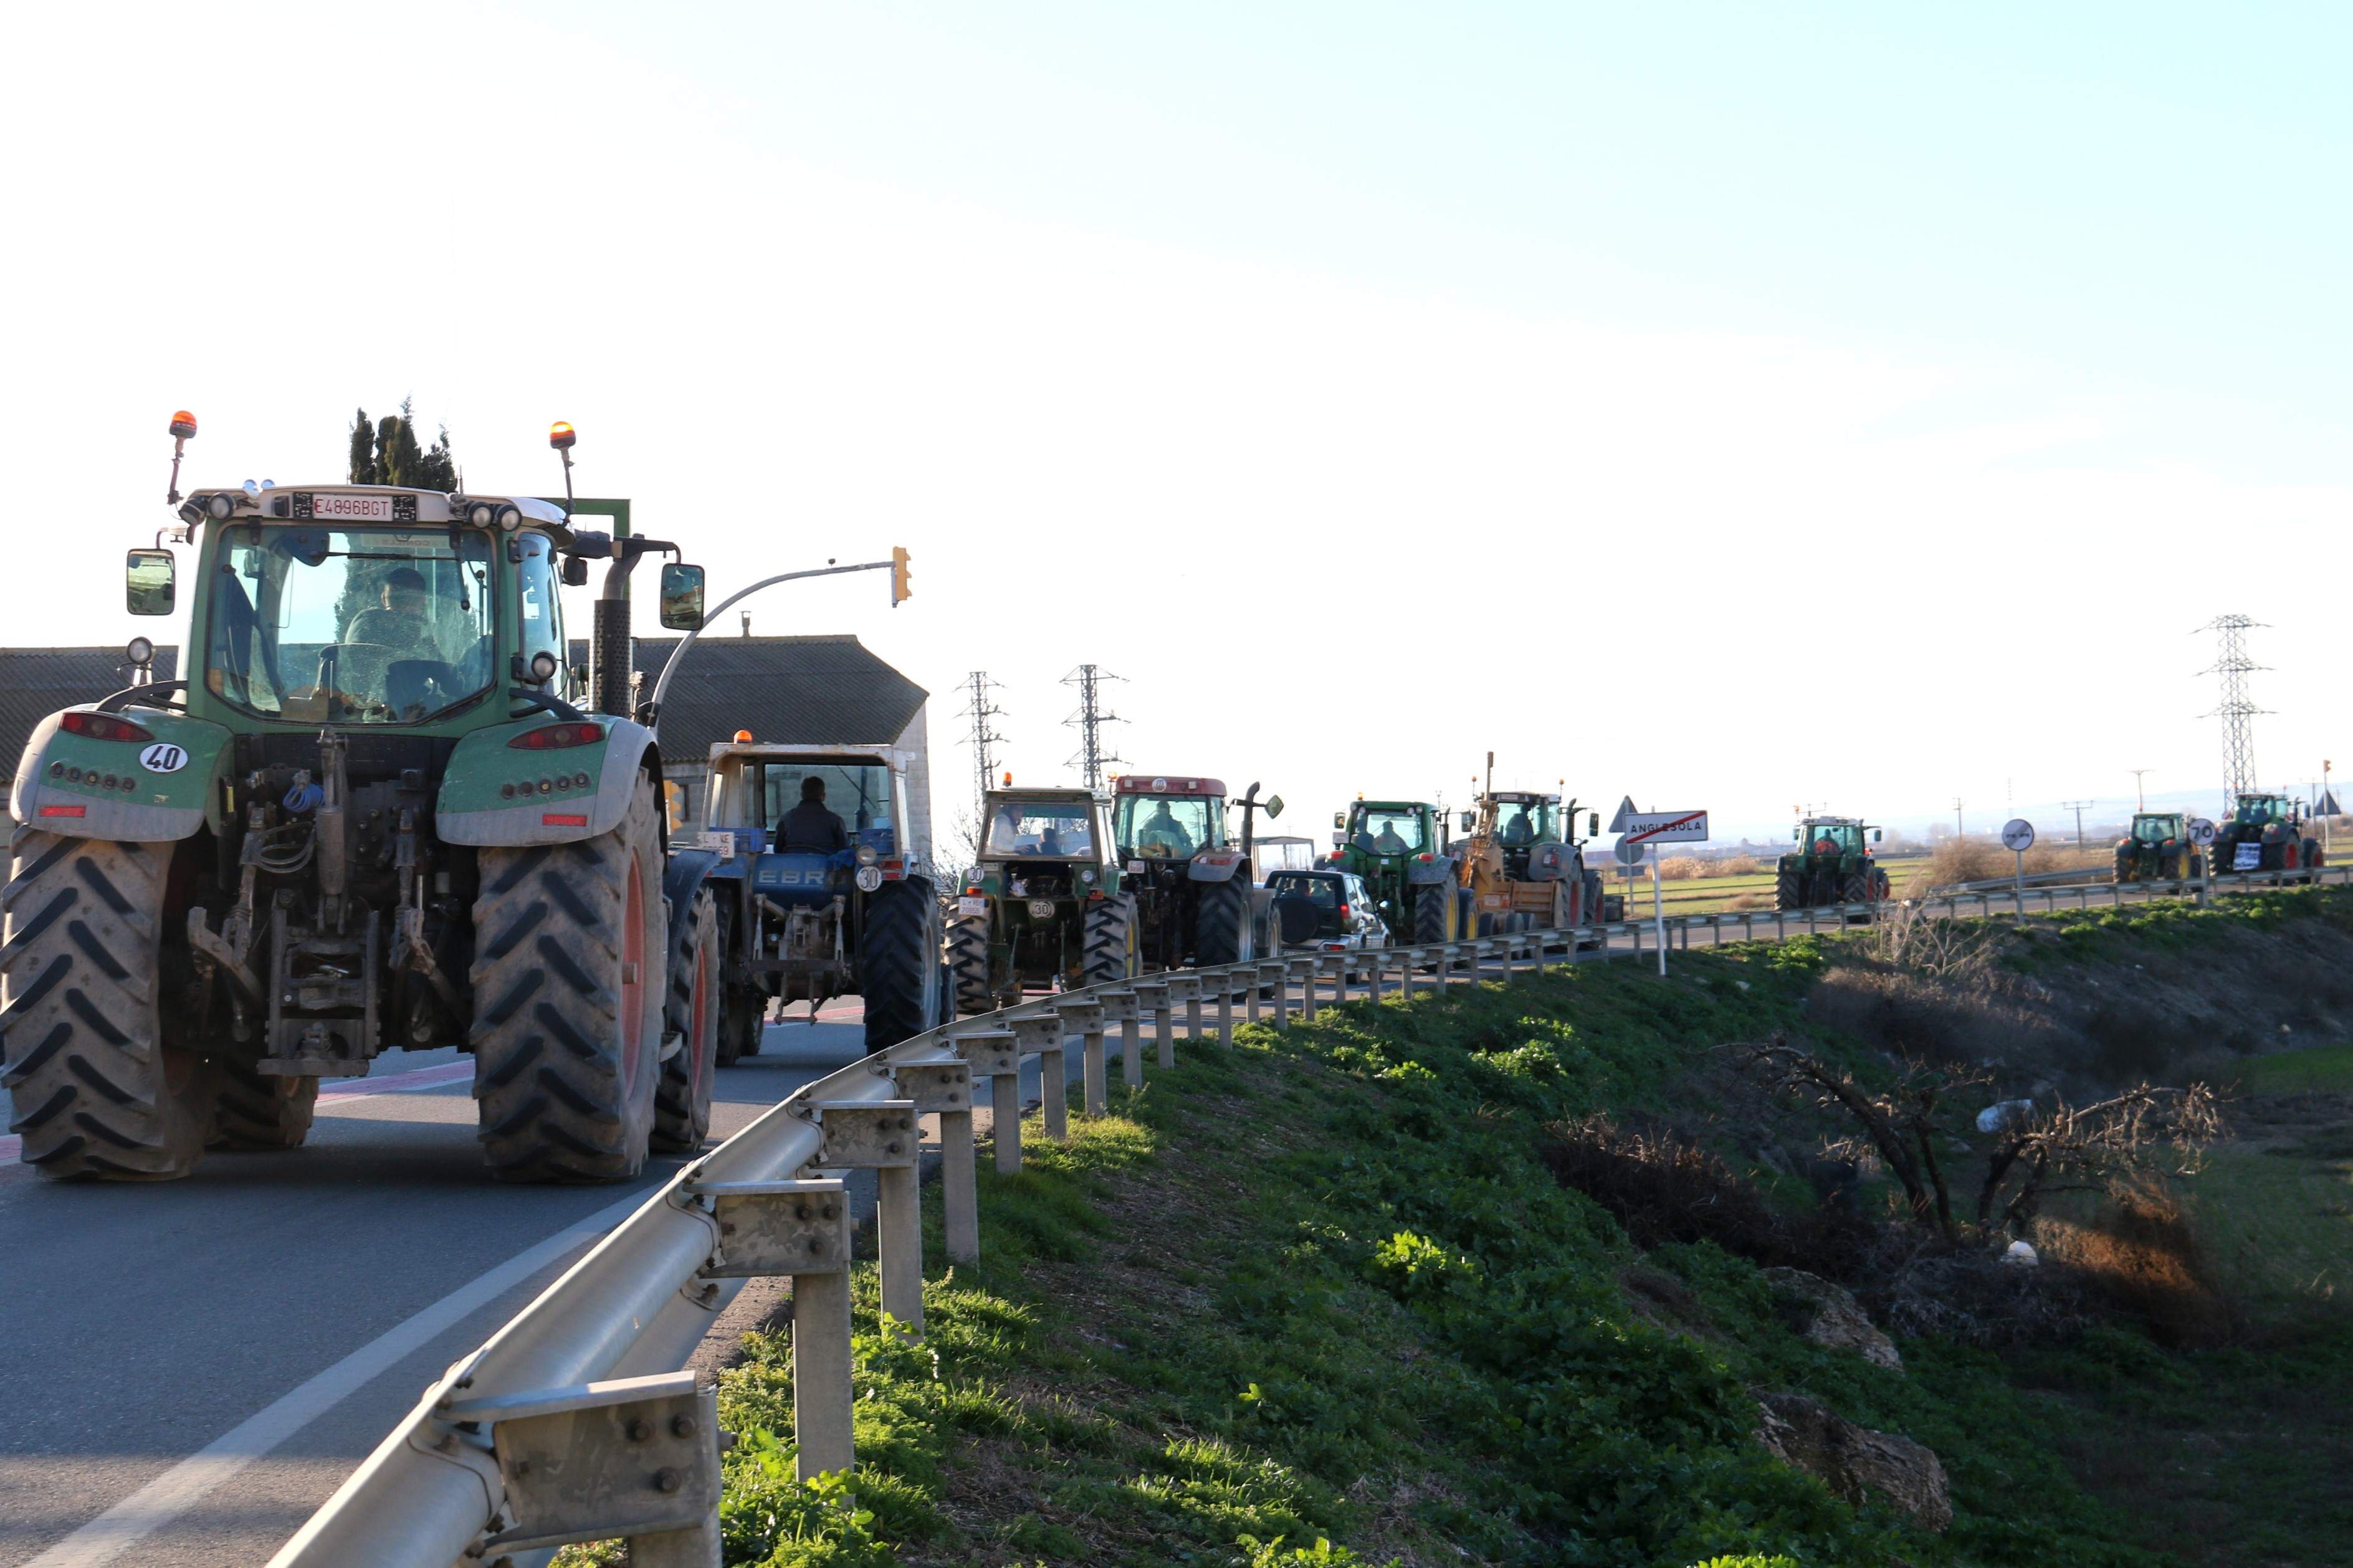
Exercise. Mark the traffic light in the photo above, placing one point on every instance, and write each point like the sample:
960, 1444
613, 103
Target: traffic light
900, 591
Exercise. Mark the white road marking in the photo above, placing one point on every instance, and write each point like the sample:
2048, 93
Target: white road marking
187, 1483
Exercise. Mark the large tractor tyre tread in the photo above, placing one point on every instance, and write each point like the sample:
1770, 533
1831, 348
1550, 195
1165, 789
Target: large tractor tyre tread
742, 1020
254, 1111
564, 1077
968, 964
1788, 889
95, 1090
895, 957
1856, 888
1221, 925
1109, 941
691, 1008
1434, 907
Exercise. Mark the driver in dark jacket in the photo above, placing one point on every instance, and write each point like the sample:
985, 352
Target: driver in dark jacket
809, 827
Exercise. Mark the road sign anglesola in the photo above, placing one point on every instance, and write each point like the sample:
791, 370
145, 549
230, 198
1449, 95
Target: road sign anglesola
1665, 827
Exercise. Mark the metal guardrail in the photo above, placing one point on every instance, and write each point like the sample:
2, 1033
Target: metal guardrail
455, 1481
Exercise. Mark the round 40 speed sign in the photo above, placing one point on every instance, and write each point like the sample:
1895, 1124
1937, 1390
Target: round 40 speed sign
163, 757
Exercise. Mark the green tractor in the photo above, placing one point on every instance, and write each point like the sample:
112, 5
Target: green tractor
1042, 909
2157, 849
2265, 833
369, 816
1399, 848
1829, 862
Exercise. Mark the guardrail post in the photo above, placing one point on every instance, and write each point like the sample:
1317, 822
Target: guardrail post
801, 1230
1151, 994
945, 1089
1282, 994
1257, 984
1119, 1007
1187, 989
1306, 969
1339, 970
993, 1055
880, 1136
1044, 1035
1378, 973
1226, 1006
1085, 1019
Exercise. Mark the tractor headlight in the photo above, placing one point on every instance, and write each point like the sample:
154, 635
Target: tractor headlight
510, 518
218, 507
866, 856
1087, 874
481, 514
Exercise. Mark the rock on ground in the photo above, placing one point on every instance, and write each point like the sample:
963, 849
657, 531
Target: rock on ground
1853, 1460
1826, 1314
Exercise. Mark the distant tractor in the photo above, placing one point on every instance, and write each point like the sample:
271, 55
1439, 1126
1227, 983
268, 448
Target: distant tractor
1524, 866
807, 922
2157, 849
1043, 907
1399, 848
2265, 833
1828, 863
1195, 900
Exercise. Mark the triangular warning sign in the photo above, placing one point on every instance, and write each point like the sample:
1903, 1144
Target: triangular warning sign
1625, 810
2327, 806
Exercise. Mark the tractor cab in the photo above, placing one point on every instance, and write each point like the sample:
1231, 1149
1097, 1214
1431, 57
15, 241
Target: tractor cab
1194, 900
756, 789
1388, 829
2260, 811
1834, 838
1399, 848
1042, 907
2156, 829
1162, 818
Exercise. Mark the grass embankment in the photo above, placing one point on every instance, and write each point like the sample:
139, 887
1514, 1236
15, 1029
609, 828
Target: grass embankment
1323, 1286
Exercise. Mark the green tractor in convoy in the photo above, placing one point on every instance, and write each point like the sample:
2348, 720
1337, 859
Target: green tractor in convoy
370, 816
1828, 863
1399, 848
1042, 907
1196, 902
2265, 833
2157, 849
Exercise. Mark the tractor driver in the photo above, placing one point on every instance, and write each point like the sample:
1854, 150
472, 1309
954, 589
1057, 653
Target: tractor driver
398, 621
1162, 828
809, 828
1826, 845
1389, 841
1516, 830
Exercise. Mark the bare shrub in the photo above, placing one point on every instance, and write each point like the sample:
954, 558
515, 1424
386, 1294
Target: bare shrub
1984, 861
1738, 866
1682, 868
2140, 1254
1665, 1189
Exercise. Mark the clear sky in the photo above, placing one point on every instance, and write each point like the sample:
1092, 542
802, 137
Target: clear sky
1734, 406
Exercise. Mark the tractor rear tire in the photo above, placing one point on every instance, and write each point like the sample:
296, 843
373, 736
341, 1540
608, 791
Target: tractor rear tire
743, 1019
1788, 889
253, 1110
968, 964
1109, 941
1856, 888
1433, 914
98, 1086
570, 950
897, 954
682, 1099
1221, 925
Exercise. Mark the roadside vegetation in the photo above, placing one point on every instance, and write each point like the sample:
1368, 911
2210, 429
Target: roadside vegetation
1568, 1272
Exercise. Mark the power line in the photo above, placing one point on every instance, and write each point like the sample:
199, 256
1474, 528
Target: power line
1091, 757
2078, 807
2237, 710
985, 740
2140, 794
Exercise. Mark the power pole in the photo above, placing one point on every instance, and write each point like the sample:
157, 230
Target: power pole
1091, 718
2237, 710
983, 737
1957, 818
2140, 794
2077, 808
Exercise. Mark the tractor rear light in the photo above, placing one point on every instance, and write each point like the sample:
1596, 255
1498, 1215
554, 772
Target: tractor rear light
103, 727
64, 811
563, 819
1423, 856
552, 737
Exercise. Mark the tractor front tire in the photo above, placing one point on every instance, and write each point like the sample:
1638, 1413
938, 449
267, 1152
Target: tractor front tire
897, 952
682, 1099
968, 964
570, 950
98, 1088
1221, 925
254, 1111
1110, 940
1433, 914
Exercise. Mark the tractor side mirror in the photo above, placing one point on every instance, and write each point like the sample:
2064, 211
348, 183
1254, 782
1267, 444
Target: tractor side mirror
682, 597
1274, 806
1339, 819
575, 570
149, 583
1593, 825
1877, 834
1468, 820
